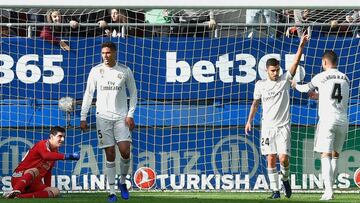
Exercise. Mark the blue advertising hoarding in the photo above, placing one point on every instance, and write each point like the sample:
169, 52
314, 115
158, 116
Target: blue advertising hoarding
173, 138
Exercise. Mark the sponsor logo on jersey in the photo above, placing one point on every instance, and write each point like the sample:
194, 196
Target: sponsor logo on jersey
144, 178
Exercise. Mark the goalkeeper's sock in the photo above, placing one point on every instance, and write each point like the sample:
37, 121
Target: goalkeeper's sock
334, 162
285, 171
39, 194
274, 179
110, 173
327, 173
24, 181
124, 169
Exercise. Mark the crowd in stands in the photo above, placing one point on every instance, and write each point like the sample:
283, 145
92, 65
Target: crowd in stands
184, 23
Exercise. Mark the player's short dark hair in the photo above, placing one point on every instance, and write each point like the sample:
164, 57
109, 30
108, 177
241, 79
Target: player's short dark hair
110, 45
57, 129
331, 56
272, 62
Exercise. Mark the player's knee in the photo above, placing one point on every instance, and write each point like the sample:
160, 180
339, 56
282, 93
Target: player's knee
125, 154
284, 160
271, 160
335, 154
33, 171
53, 192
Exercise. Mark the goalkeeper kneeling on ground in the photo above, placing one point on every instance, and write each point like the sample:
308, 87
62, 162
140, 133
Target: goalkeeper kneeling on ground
32, 177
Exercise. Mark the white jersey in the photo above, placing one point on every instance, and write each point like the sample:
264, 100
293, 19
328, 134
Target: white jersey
275, 99
333, 87
110, 84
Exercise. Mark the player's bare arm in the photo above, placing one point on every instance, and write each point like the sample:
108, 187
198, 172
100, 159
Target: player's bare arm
253, 110
304, 39
83, 126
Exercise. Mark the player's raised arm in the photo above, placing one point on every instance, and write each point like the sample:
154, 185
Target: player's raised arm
253, 110
299, 52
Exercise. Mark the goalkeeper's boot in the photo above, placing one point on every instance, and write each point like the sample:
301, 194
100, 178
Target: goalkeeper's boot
124, 191
11, 194
112, 198
275, 195
287, 188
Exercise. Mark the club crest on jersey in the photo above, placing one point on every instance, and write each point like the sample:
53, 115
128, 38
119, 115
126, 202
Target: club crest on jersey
102, 71
145, 178
357, 177
120, 76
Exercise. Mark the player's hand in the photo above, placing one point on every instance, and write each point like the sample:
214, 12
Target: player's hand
312, 94
293, 83
247, 128
349, 19
212, 24
304, 39
73, 24
107, 32
72, 156
130, 123
64, 46
102, 23
83, 126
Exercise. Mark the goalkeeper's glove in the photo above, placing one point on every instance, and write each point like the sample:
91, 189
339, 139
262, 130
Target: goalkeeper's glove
72, 156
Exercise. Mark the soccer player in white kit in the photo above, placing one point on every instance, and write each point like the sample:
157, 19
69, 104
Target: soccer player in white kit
114, 120
275, 126
332, 128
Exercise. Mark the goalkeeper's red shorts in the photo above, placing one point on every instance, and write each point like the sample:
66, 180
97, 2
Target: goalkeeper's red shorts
36, 185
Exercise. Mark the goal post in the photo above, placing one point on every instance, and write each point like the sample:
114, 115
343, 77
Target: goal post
195, 88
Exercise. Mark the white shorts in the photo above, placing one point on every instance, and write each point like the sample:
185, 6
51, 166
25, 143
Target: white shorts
275, 140
110, 132
330, 137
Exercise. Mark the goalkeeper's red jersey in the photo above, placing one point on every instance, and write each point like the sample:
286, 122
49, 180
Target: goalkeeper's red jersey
41, 157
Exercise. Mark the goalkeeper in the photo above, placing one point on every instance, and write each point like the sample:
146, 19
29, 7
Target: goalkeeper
32, 177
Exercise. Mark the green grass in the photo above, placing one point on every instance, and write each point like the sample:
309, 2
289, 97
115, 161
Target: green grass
189, 197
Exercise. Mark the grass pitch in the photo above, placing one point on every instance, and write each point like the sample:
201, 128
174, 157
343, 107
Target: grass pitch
189, 197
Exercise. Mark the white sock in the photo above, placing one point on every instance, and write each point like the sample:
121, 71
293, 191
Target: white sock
124, 169
334, 162
327, 173
274, 179
110, 173
285, 171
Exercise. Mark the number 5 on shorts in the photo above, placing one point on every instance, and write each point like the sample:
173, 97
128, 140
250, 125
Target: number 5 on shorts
99, 134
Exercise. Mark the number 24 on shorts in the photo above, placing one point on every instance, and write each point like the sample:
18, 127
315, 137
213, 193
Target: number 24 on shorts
265, 141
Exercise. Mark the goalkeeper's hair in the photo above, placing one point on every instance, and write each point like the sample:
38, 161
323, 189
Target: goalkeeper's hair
272, 62
331, 56
110, 45
56, 129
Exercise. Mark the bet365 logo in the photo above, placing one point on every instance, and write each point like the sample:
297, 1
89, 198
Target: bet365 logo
357, 177
145, 178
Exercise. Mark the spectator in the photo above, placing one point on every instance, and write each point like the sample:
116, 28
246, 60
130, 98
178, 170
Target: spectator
93, 16
6, 32
10, 16
255, 16
192, 16
160, 17
116, 16
35, 15
53, 33
354, 18
301, 16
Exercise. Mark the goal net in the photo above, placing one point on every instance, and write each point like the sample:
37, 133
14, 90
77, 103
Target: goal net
195, 71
